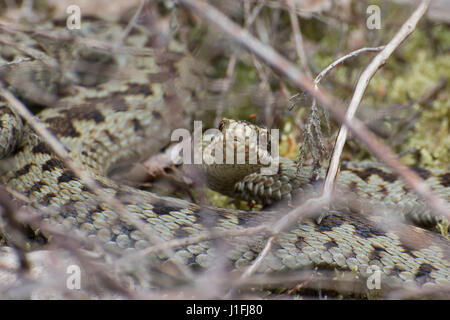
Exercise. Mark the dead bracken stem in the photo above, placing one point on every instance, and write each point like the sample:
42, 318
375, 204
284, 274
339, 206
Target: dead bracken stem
313, 118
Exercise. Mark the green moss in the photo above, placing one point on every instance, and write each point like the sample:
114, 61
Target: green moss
418, 70
423, 71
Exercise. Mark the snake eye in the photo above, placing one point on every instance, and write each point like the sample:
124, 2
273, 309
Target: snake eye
221, 125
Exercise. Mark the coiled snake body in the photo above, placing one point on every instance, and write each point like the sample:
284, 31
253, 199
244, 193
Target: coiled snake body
119, 120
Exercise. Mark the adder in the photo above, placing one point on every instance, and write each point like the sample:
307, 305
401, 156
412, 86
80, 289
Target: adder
132, 114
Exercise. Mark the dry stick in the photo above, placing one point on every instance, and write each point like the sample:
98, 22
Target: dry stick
253, 267
82, 174
342, 59
286, 68
380, 59
210, 235
298, 37
307, 209
133, 21
231, 66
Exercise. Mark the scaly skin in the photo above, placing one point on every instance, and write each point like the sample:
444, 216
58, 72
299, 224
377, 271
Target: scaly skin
122, 119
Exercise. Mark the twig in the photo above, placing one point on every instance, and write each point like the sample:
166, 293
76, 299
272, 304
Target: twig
286, 68
133, 21
342, 59
183, 242
379, 60
298, 37
254, 266
307, 209
227, 82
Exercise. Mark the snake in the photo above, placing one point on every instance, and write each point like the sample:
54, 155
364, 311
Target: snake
131, 115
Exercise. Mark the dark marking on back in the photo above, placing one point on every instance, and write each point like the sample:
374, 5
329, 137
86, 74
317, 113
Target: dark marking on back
18, 149
423, 173
396, 270
367, 173
382, 189
242, 219
363, 227
41, 147
192, 93
406, 189
376, 253
66, 176
330, 244
85, 113
181, 233
163, 209
37, 187
445, 179
407, 250
62, 127
353, 187
136, 125
24, 170
119, 105
110, 136
50, 164
156, 114
423, 273
136, 88
46, 199
160, 77
300, 242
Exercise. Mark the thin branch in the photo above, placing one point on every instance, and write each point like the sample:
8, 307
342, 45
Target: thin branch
379, 60
228, 81
342, 59
307, 209
133, 21
184, 242
298, 37
254, 266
